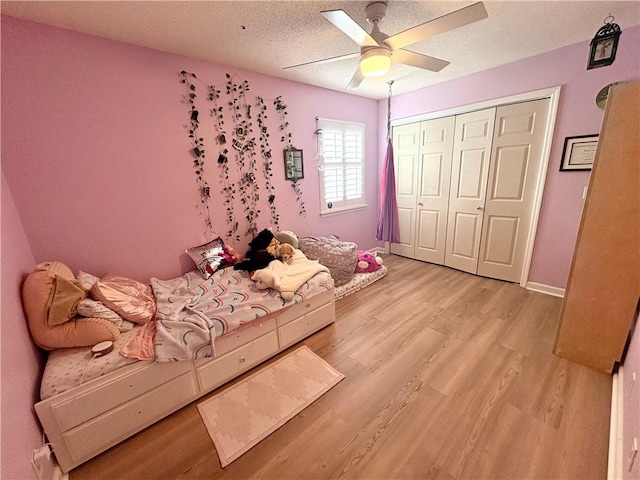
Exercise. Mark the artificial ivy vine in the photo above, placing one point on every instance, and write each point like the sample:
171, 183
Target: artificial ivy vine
265, 150
244, 145
239, 144
286, 137
198, 147
228, 187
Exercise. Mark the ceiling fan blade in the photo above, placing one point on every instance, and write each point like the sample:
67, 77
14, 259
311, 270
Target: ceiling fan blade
418, 60
356, 80
442, 24
348, 25
326, 60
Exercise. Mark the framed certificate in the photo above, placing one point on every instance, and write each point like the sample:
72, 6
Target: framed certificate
579, 152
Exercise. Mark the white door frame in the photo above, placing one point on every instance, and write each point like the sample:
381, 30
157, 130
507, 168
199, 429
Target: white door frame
553, 94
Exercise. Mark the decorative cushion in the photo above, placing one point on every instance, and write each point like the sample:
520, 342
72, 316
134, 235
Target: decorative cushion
209, 256
340, 257
64, 302
36, 299
132, 300
86, 280
96, 309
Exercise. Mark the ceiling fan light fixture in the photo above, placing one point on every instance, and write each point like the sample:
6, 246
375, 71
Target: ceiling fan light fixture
375, 62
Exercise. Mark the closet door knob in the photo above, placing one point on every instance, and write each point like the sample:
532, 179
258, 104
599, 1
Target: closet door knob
421, 204
479, 208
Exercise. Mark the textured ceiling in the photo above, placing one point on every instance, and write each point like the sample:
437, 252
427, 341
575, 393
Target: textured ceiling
265, 36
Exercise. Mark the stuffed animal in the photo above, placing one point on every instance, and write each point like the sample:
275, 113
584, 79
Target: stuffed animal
274, 247
285, 252
258, 256
367, 262
266, 278
231, 256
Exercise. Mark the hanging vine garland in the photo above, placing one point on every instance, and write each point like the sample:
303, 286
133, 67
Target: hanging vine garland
285, 138
242, 144
239, 141
228, 187
245, 133
198, 147
265, 151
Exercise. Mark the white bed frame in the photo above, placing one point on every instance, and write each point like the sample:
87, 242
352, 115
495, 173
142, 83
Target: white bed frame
89, 419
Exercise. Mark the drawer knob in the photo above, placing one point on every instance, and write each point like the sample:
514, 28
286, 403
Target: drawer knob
242, 359
308, 305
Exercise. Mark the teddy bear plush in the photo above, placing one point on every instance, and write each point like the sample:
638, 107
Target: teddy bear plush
285, 252
367, 262
262, 250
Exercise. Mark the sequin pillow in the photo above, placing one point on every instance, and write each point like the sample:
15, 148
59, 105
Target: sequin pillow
209, 257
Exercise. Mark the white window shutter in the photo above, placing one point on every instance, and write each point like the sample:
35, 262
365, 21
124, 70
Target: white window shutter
341, 162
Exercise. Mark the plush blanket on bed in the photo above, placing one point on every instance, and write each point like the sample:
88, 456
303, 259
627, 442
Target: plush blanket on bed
287, 277
192, 312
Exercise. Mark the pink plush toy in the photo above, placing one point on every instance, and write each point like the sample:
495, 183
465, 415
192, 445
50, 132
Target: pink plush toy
367, 262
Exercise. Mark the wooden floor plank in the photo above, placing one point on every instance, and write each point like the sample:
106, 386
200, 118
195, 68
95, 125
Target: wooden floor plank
447, 376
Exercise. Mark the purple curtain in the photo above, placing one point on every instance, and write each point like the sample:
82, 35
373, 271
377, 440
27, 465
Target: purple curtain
388, 226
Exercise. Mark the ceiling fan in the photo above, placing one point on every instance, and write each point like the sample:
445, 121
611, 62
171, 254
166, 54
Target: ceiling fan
378, 50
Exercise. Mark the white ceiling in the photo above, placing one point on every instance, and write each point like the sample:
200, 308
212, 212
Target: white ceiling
265, 36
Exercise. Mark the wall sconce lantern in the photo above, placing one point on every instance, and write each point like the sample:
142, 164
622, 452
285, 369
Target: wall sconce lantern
604, 45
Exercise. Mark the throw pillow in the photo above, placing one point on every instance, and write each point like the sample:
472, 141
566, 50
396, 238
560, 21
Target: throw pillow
209, 257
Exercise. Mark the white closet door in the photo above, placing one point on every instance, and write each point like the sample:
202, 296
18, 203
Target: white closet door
513, 175
470, 167
406, 146
436, 146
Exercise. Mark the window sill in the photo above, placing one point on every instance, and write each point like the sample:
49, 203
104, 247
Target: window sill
334, 211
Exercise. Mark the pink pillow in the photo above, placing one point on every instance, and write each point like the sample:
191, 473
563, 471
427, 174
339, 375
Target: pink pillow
36, 299
132, 300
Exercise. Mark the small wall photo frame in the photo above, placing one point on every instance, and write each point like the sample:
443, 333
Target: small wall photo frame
293, 166
579, 152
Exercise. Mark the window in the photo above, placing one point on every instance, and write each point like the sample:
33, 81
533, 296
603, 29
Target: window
341, 165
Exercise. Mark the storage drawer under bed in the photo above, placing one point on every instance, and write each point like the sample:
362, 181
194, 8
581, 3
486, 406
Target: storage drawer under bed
129, 418
307, 306
74, 409
218, 370
302, 327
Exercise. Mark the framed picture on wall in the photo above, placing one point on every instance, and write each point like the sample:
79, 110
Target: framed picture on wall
579, 152
293, 166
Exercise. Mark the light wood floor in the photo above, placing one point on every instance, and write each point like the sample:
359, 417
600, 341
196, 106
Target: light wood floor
448, 375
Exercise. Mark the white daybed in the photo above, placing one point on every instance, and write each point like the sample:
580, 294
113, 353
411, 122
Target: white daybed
87, 419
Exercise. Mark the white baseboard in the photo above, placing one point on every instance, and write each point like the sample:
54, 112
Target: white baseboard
616, 454
542, 288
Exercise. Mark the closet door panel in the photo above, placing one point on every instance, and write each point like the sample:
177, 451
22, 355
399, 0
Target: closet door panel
406, 144
470, 167
516, 160
436, 144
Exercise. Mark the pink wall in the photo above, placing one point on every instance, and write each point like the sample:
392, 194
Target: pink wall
96, 152
98, 174
20, 360
577, 115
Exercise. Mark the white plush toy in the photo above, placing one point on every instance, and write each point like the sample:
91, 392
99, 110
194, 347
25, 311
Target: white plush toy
266, 278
